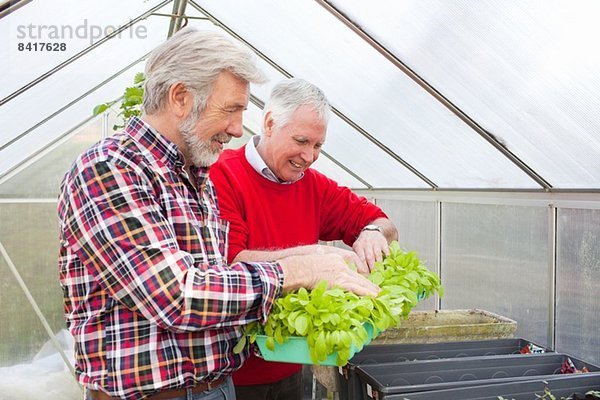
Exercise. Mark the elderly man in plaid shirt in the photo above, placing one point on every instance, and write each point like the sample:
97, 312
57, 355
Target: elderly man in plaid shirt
153, 306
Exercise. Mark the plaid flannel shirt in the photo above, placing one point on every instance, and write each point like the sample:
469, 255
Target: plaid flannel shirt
148, 295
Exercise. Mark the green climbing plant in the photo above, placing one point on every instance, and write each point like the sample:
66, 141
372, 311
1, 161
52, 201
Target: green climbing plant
130, 102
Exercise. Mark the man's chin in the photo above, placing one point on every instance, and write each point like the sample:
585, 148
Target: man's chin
206, 160
291, 177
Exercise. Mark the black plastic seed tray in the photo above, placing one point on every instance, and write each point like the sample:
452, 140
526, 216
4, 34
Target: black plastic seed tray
571, 386
381, 380
350, 386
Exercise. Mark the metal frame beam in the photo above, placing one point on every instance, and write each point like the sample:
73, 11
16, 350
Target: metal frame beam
177, 17
10, 6
552, 262
556, 198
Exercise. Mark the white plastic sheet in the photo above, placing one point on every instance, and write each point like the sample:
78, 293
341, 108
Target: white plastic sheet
46, 377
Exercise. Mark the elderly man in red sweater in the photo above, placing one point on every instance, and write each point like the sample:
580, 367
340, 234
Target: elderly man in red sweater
278, 207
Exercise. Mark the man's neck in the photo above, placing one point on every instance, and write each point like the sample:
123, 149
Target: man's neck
166, 127
260, 148
162, 124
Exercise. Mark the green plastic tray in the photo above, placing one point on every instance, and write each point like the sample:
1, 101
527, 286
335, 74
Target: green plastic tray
295, 350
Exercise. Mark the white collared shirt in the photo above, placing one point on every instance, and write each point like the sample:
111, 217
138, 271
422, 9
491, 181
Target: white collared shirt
259, 165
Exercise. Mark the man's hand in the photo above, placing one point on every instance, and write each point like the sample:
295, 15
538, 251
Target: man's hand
308, 270
349, 256
370, 246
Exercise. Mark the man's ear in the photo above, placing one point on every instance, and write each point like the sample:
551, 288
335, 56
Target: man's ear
268, 124
179, 100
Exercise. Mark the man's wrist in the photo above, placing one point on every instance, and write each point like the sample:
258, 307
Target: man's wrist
372, 227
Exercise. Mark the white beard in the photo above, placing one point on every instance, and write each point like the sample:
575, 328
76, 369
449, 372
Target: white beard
200, 151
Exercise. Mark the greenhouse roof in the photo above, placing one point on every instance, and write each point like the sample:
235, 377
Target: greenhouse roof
435, 94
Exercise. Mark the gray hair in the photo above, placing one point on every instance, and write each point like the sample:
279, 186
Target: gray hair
194, 58
290, 94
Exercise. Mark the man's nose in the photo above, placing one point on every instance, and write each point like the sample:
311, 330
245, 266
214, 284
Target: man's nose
235, 127
307, 156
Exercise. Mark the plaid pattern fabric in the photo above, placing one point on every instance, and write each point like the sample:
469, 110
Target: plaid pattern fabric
148, 295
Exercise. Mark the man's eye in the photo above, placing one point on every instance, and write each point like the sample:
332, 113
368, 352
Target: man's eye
233, 109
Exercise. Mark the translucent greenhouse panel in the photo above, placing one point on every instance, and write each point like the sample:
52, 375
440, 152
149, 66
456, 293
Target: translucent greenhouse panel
29, 235
365, 159
24, 112
329, 168
577, 283
496, 258
253, 119
41, 179
310, 43
417, 231
76, 24
51, 130
524, 70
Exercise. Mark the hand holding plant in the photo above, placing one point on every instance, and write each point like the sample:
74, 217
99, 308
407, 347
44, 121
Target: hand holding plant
334, 320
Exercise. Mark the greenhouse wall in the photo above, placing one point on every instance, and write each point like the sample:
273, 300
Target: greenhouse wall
29, 234
532, 257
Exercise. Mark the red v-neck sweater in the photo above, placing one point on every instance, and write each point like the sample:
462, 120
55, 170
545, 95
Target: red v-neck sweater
267, 215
